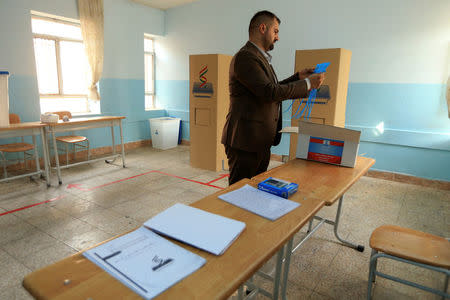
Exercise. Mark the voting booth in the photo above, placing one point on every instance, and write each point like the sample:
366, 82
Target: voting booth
329, 105
208, 106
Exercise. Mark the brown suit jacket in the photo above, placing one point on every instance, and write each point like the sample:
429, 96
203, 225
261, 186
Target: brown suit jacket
254, 116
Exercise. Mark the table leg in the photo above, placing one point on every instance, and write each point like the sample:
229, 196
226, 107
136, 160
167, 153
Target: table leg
241, 292
360, 248
47, 149
46, 156
113, 141
55, 148
276, 283
36, 155
121, 142
287, 262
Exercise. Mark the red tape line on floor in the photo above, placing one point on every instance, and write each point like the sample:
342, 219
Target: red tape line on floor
28, 206
221, 177
77, 186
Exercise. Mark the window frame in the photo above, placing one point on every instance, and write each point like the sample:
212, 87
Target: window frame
150, 53
57, 40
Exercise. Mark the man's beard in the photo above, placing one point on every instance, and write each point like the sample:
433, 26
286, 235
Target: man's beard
271, 46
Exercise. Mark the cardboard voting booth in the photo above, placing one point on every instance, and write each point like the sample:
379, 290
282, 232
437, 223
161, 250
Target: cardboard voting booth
208, 106
329, 105
328, 144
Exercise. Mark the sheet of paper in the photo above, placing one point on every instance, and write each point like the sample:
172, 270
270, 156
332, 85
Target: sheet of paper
145, 262
289, 130
259, 202
204, 230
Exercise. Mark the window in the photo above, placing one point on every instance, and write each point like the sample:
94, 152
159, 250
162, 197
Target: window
149, 58
61, 65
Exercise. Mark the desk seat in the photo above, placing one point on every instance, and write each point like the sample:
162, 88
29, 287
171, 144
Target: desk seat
16, 147
412, 245
71, 138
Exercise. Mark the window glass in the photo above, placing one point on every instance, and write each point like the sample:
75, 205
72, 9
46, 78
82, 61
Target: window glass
149, 101
62, 67
148, 73
46, 66
74, 68
148, 45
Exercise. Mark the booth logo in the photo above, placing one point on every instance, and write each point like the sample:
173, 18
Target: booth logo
203, 89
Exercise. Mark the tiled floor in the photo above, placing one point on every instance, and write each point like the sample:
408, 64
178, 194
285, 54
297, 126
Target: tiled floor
98, 201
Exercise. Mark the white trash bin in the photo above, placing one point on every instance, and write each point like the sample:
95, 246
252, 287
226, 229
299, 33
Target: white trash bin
164, 132
4, 100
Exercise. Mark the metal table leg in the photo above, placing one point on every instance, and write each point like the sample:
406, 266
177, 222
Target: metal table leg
113, 141
46, 156
121, 142
360, 248
278, 268
241, 292
287, 262
55, 148
36, 155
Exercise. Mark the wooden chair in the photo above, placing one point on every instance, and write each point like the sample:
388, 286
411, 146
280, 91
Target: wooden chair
75, 140
409, 246
17, 148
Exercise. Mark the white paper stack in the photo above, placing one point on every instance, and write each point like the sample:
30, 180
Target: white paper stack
259, 202
196, 227
145, 262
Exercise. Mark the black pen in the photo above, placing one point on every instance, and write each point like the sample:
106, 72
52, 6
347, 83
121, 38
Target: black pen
162, 264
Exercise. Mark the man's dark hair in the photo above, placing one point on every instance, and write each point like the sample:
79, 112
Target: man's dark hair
261, 17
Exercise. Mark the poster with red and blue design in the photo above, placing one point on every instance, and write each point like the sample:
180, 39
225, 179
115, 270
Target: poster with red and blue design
325, 150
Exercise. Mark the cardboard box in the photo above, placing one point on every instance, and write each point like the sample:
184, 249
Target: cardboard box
329, 106
208, 106
326, 143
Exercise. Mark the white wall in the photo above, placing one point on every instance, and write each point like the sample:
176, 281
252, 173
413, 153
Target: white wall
402, 41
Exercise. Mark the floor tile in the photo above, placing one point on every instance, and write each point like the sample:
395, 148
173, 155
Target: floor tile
98, 201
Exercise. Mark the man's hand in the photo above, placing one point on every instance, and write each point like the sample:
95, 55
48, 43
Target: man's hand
316, 80
305, 73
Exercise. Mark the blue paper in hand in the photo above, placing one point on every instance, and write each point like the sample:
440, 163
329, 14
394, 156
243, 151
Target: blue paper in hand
321, 68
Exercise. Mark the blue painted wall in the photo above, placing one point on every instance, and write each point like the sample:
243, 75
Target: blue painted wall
400, 64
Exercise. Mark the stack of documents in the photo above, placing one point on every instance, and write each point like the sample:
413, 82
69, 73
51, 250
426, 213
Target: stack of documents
196, 227
259, 202
149, 264
145, 262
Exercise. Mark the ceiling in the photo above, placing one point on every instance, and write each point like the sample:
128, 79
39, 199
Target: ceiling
163, 4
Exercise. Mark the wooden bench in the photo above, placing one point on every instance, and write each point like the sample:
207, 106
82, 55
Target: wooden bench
409, 246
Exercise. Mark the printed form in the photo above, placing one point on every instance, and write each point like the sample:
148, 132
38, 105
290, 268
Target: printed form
145, 262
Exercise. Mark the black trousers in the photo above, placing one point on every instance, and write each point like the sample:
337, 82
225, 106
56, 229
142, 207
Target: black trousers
245, 164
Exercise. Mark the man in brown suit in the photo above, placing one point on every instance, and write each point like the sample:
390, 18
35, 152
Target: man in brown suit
254, 118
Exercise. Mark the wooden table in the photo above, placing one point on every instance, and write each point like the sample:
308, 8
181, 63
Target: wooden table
323, 181
29, 129
217, 279
83, 124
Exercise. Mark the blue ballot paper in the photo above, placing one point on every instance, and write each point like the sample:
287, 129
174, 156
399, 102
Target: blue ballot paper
145, 262
198, 228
